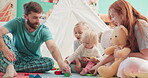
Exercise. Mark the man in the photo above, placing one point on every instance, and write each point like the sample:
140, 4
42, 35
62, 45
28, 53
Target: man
28, 34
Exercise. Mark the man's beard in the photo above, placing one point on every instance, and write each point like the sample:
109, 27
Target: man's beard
32, 25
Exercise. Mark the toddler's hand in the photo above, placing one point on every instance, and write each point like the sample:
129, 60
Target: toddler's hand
65, 61
94, 60
78, 68
85, 59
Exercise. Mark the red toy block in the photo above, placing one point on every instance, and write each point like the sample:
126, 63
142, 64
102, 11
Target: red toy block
26, 74
58, 72
54, 68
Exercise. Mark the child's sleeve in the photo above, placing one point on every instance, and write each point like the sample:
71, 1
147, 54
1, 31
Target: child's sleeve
99, 56
74, 55
75, 45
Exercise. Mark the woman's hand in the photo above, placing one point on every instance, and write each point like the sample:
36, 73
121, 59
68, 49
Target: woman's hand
94, 69
145, 53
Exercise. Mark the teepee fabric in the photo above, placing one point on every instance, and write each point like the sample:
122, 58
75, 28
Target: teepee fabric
63, 19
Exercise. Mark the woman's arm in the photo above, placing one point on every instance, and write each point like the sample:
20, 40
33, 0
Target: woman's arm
142, 54
143, 25
108, 59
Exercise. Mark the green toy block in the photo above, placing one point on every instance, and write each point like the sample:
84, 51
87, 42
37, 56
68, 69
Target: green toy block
66, 74
57, 68
89, 74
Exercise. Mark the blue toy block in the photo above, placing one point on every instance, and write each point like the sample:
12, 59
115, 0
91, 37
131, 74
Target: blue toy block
37, 76
31, 76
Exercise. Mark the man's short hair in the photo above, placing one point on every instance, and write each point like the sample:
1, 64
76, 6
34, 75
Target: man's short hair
32, 6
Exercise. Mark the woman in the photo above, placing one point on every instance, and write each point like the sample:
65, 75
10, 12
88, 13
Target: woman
123, 13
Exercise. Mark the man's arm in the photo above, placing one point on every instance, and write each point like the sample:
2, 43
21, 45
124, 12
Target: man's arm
57, 55
54, 50
7, 53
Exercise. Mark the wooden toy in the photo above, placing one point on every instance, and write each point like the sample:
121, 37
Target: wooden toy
31, 76
58, 68
89, 74
58, 72
37, 76
53, 68
92, 57
66, 74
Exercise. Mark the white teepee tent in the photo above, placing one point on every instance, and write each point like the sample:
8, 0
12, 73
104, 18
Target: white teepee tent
63, 19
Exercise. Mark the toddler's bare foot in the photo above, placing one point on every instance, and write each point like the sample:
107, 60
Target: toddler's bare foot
78, 68
10, 72
83, 72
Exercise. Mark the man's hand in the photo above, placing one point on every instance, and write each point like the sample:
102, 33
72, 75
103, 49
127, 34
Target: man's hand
64, 67
9, 55
57, 56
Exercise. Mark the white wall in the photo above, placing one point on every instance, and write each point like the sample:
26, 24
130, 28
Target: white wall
2, 23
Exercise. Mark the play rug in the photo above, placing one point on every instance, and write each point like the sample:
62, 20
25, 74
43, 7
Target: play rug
49, 74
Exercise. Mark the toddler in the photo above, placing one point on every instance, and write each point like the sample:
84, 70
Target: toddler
79, 28
85, 51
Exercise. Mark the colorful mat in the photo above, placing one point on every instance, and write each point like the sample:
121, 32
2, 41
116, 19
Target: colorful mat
49, 74
22, 75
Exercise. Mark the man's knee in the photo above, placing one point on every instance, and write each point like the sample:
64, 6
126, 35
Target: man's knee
49, 63
49, 60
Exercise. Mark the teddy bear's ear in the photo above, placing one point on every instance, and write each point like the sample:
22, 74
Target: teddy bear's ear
125, 30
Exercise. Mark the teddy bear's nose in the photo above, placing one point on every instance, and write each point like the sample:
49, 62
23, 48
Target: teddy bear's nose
115, 36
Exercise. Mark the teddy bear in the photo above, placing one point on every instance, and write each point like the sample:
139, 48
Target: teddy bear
119, 51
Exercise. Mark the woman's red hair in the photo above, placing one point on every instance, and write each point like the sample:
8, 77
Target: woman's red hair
129, 18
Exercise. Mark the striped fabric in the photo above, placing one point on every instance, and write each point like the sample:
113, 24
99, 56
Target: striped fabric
24, 63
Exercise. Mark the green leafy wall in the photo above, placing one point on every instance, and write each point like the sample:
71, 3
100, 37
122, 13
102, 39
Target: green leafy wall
45, 5
140, 5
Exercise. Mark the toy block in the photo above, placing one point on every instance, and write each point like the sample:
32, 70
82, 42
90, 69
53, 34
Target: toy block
53, 68
37, 76
66, 74
26, 74
57, 68
92, 57
58, 73
89, 74
31, 76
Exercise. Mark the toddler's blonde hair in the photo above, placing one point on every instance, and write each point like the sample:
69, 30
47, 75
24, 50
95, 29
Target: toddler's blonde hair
90, 35
82, 23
